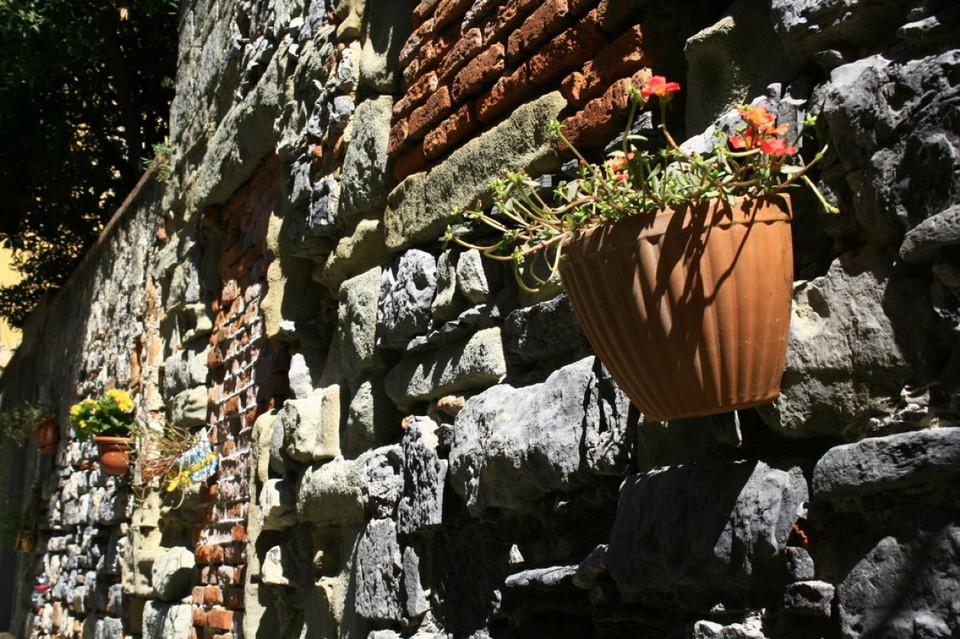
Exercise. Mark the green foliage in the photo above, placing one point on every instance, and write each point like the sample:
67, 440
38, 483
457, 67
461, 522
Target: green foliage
17, 422
84, 93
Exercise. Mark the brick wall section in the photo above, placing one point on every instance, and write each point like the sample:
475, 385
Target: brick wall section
247, 375
467, 66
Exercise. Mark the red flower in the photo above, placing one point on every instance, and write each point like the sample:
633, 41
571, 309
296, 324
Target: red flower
658, 86
777, 147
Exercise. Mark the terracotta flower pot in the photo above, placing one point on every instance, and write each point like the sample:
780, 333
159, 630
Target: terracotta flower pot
114, 454
46, 435
689, 311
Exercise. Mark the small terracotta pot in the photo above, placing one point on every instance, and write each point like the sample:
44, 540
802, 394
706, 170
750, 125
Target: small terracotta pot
114, 454
46, 435
688, 309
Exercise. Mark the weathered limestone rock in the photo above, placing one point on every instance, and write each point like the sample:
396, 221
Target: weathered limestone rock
185, 369
388, 26
379, 569
472, 278
846, 359
416, 600
933, 237
882, 465
173, 574
814, 598
354, 254
878, 597
383, 481
406, 292
277, 507
357, 323
513, 446
167, 621
311, 427
371, 417
421, 206
189, 408
365, 181
424, 474
272, 570
704, 532
349, 18
448, 301
731, 62
471, 365
542, 332
330, 493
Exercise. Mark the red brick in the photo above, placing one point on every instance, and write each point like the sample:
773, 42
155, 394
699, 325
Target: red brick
424, 10
548, 20
567, 52
448, 11
603, 117
238, 533
509, 17
450, 132
208, 554
410, 162
479, 74
416, 39
415, 95
230, 575
429, 56
509, 91
199, 616
462, 52
219, 618
206, 595
399, 133
236, 552
437, 107
624, 56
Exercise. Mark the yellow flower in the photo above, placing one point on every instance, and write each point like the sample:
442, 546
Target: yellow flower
74, 410
122, 398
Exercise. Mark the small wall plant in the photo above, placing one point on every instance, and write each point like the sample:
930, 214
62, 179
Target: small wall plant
17, 422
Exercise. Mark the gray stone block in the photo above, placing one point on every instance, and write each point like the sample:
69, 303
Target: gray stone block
932, 237
813, 598
189, 408
383, 481
331, 493
172, 574
365, 180
542, 332
388, 26
378, 574
167, 621
704, 532
311, 427
458, 367
513, 446
357, 323
424, 474
407, 288
277, 507
448, 302
416, 600
371, 418
883, 465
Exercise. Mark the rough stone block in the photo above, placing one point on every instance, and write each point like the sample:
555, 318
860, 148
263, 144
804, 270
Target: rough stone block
311, 427
406, 292
846, 357
354, 254
513, 446
415, 600
704, 532
172, 574
383, 481
331, 493
277, 507
814, 598
357, 323
387, 28
448, 302
371, 417
883, 465
379, 569
424, 476
542, 332
471, 365
421, 206
189, 408
365, 180
167, 621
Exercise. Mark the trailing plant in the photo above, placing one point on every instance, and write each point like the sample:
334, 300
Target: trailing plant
172, 457
757, 161
111, 415
17, 422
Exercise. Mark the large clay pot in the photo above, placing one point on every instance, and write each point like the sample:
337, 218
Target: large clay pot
45, 435
114, 454
688, 309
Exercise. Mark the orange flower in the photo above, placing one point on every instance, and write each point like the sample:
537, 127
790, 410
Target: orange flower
777, 147
658, 86
762, 120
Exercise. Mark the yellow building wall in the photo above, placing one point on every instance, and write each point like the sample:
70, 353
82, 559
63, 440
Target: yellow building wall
9, 336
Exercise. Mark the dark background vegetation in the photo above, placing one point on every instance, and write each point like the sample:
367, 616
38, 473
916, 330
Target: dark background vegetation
85, 89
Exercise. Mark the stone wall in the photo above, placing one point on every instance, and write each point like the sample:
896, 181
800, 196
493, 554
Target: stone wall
409, 445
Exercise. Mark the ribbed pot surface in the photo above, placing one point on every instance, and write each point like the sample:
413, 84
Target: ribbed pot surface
689, 309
